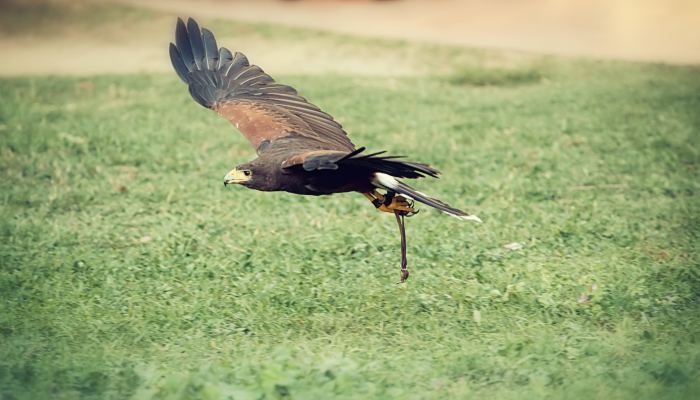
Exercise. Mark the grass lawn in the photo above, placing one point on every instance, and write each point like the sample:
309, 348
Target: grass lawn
127, 270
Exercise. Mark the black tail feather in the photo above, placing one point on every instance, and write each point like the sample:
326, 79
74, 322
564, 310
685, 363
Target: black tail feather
390, 165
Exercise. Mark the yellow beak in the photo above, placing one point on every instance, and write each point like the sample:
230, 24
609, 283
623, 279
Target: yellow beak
235, 176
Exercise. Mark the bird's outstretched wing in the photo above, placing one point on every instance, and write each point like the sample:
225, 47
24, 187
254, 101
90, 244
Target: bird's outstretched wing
260, 108
317, 160
304, 155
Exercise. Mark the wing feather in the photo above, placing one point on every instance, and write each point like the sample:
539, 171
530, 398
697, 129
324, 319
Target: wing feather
182, 44
211, 53
316, 160
225, 56
260, 108
178, 63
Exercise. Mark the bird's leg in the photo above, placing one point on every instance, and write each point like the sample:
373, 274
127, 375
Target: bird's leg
404, 262
391, 202
397, 203
400, 207
389, 198
375, 197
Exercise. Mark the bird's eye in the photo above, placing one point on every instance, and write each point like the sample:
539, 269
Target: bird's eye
246, 172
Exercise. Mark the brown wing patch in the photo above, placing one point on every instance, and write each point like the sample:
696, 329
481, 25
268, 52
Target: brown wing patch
245, 95
259, 121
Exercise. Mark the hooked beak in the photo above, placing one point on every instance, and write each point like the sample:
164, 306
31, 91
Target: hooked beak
235, 176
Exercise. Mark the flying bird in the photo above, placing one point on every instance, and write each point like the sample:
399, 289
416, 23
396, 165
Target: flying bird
300, 148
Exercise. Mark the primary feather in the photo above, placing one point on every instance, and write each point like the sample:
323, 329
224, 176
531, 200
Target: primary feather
228, 84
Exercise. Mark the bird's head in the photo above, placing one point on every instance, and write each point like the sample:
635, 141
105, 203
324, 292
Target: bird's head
239, 175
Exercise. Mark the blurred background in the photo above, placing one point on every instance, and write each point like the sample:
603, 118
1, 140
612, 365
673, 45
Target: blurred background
648, 30
127, 270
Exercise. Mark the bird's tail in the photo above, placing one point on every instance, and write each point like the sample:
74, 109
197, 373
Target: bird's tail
390, 165
390, 183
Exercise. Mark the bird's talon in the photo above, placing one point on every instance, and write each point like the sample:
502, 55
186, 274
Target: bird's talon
398, 204
412, 213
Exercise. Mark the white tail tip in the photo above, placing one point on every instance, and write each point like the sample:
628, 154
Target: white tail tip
470, 218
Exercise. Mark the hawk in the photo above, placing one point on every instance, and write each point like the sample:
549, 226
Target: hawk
300, 148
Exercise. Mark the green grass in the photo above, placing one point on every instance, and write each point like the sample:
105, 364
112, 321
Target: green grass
495, 76
128, 270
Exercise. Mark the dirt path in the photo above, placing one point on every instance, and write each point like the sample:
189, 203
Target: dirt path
660, 31
655, 30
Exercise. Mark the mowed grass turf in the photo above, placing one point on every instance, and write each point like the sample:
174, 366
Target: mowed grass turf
128, 270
